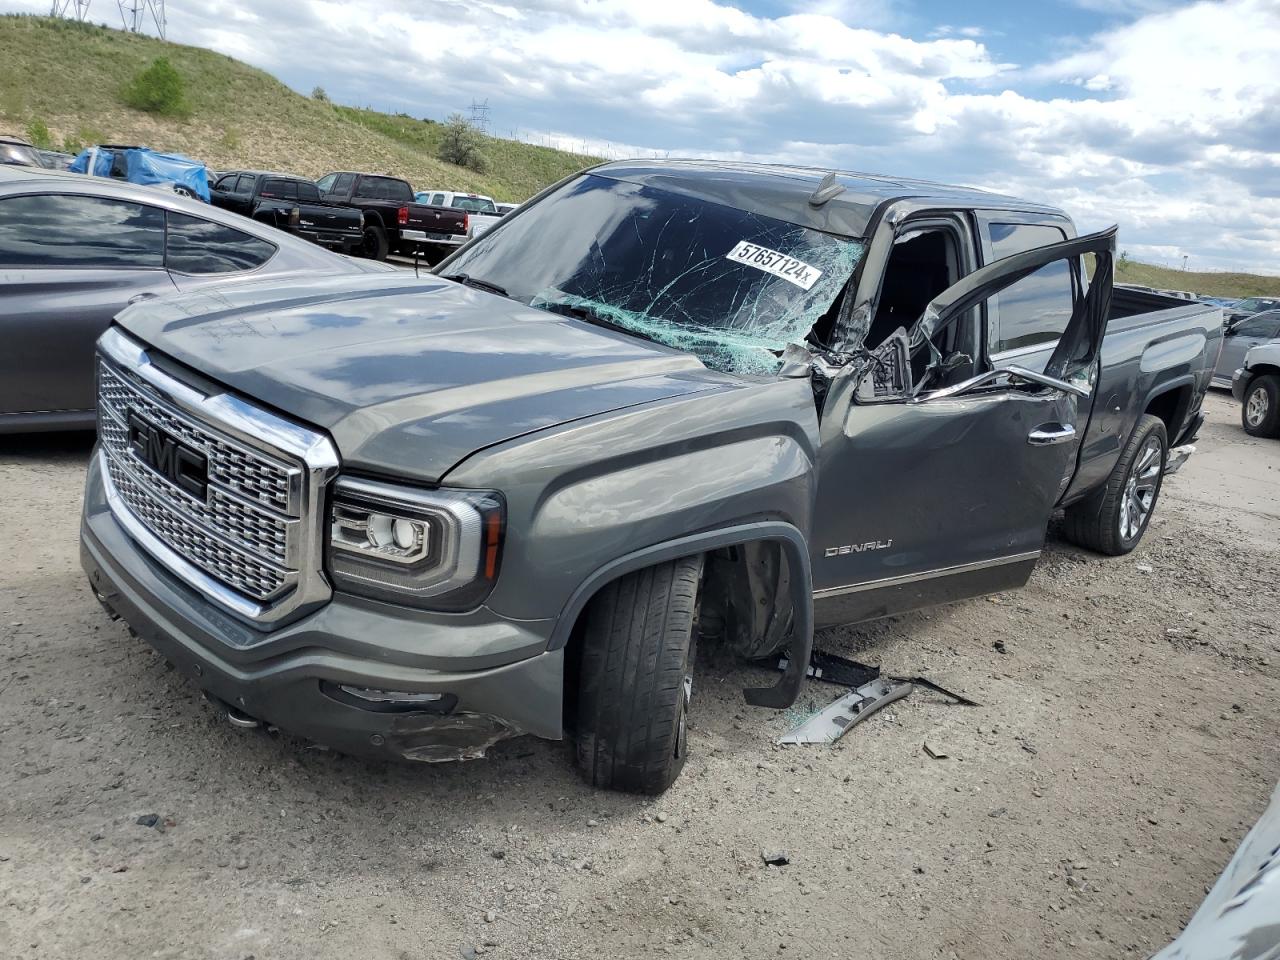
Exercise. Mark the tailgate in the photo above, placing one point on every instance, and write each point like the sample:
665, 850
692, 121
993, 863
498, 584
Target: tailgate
314, 216
443, 220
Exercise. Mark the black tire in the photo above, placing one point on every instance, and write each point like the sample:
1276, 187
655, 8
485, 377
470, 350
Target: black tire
375, 244
1113, 520
636, 677
1260, 412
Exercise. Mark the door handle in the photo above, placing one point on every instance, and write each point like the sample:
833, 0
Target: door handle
139, 297
1050, 433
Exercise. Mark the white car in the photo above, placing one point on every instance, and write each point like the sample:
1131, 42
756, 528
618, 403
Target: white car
1257, 386
484, 212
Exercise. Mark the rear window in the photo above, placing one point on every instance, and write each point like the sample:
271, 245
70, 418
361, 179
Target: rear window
49, 230
475, 204
280, 189
201, 247
384, 188
308, 191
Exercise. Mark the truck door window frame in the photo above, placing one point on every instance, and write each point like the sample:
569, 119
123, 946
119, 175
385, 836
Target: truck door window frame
984, 220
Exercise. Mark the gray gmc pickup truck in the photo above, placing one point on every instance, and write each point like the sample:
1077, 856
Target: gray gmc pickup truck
663, 403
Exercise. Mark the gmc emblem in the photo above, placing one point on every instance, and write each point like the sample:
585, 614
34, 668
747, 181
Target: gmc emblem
186, 469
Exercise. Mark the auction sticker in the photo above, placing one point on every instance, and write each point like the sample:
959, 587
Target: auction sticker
802, 274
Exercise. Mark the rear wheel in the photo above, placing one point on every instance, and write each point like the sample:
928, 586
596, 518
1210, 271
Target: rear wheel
1260, 412
375, 242
1113, 520
636, 678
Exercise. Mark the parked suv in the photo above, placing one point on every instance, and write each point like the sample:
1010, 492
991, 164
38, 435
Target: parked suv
667, 404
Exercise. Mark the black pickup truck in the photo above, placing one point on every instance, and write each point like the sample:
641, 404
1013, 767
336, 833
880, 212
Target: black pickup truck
393, 221
292, 204
724, 404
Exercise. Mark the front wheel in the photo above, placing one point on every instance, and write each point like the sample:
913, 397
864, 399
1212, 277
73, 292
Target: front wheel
636, 678
1260, 412
1113, 520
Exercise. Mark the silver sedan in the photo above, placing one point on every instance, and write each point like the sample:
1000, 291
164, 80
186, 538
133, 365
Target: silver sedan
75, 250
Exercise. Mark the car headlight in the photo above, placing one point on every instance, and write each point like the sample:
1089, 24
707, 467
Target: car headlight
436, 549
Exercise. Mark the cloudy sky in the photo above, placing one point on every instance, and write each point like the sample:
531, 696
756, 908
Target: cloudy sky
1163, 116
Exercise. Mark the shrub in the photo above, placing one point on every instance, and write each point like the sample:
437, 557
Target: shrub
319, 94
39, 135
158, 89
460, 144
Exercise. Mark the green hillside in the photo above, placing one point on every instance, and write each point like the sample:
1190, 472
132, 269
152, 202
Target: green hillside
70, 77
1205, 284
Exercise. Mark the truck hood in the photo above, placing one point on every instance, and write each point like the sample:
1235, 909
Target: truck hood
410, 375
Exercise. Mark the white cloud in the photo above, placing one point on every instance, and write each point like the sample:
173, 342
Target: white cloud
1168, 122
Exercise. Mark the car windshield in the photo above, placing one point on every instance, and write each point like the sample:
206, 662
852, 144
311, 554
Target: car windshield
1255, 304
731, 287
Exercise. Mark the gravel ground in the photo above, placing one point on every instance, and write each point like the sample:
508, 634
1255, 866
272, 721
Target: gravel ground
1127, 740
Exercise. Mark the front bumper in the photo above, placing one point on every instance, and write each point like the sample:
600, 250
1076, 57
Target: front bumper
1239, 380
496, 677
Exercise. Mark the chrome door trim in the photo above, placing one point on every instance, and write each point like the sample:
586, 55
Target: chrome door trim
924, 575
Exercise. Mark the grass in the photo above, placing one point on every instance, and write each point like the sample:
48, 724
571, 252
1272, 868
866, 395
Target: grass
1205, 284
72, 78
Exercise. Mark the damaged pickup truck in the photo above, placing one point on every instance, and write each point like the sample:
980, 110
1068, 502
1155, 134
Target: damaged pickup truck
663, 404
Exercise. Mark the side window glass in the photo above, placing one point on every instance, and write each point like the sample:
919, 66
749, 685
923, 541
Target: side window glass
343, 184
1261, 326
226, 183
325, 183
201, 247
49, 230
1035, 311
245, 183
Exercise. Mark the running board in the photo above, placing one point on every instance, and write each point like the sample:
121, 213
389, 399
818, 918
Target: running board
835, 720
1177, 457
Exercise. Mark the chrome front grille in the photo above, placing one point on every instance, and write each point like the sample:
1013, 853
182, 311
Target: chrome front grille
252, 542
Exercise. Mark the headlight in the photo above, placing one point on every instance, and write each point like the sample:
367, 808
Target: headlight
437, 549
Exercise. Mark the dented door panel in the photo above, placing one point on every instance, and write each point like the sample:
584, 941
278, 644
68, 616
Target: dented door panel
934, 495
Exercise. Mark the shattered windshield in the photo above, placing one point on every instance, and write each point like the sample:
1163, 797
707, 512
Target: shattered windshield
731, 287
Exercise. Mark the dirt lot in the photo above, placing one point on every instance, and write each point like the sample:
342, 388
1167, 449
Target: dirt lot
1128, 737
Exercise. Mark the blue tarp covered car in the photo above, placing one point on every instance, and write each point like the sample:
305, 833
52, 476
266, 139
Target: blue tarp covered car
141, 165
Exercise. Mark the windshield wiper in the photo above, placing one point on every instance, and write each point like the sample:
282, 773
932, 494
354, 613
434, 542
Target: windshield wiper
470, 281
596, 318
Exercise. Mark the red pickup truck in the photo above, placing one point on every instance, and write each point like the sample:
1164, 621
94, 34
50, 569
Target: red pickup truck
393, 221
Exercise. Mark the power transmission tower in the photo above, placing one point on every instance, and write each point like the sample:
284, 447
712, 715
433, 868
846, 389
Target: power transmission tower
480, 115
76, 9
134, 13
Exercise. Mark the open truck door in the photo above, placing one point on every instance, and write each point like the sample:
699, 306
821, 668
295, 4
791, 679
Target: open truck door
960, 461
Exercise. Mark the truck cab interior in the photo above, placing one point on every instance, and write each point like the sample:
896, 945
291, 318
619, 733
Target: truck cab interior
927, 259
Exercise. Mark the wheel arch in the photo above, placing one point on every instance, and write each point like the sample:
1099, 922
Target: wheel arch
1170, 402
793, 546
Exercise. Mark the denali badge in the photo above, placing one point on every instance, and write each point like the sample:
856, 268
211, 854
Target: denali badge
858, 548
185, 468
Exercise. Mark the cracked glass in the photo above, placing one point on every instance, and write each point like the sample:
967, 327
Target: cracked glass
729, 286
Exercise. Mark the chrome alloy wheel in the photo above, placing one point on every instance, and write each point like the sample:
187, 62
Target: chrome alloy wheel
1257, 406
1140, 489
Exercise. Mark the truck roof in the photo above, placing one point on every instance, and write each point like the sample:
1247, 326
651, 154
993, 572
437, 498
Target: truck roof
782, 191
